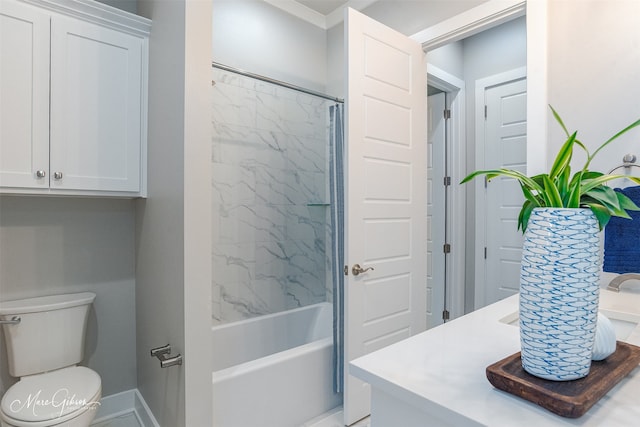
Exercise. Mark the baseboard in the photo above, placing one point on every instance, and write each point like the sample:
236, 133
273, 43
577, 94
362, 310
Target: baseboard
126, 402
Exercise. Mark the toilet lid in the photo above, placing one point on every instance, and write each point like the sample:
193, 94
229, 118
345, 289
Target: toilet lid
52, 395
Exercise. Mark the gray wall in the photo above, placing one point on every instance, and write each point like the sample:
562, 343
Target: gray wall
64, 245
255, 36
173, 227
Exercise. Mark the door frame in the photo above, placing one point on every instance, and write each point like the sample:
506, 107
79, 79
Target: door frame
455, 89
493, 13
479, 235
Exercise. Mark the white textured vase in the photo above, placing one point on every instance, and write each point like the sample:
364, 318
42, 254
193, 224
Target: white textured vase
559, 292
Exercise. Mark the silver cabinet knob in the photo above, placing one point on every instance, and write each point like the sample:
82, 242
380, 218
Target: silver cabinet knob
41, 174
357, 269
57, 175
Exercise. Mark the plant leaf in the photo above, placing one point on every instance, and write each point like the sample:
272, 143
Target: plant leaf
626, 203
563, 158
588, 184
602, 214
562, 182
559, 120
492, 173
606, 197
551, 193
525, 213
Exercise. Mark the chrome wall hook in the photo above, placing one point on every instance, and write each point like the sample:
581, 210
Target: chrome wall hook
162, 353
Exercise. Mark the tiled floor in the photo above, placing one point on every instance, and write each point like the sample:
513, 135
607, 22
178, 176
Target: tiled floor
126, 420
334, 419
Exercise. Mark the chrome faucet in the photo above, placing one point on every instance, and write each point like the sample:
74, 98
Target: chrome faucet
614, 285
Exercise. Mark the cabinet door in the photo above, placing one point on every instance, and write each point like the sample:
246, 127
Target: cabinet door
24, 96
95, 107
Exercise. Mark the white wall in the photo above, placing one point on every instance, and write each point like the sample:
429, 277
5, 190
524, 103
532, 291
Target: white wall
257, 37
594, 58
173, 268
64, 245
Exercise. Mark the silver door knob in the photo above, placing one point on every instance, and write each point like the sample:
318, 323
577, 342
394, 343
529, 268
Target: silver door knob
57, 175
356, 269
41, 174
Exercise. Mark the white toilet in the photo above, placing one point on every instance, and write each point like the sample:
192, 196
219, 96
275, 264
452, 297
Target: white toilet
43, 348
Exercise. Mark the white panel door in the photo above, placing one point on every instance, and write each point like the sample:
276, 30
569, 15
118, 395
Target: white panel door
435, 209
95, 107
386, 195
505, 147
24, 95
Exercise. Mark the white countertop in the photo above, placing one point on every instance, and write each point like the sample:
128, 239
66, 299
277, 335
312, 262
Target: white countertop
442, 371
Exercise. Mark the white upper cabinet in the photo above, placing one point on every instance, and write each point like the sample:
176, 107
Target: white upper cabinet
24, 96
73, 100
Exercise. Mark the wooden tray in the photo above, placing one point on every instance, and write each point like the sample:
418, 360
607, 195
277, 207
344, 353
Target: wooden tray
566, 398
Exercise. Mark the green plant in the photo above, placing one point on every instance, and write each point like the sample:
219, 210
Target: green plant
585, 189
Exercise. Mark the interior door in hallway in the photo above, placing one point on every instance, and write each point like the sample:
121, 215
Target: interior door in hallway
505, 147
436, 209
386, 195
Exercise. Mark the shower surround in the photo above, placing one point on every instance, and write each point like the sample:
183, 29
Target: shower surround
271, 230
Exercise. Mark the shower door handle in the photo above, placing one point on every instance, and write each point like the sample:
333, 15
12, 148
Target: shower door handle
356, 269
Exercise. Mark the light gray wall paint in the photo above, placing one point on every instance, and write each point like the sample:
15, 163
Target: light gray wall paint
173, 247
65, 245
593, 76
257, 37
449, 58
160, 218
494, 51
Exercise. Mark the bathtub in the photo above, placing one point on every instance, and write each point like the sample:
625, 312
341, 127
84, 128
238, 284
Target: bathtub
274, 370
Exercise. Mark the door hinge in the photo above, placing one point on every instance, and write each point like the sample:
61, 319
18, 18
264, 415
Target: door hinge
447, 114
486, 181
485, 112
346, 270
446, 248
447, 180
445, 314
485, 252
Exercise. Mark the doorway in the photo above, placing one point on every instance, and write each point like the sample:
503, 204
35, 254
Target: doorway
460, 66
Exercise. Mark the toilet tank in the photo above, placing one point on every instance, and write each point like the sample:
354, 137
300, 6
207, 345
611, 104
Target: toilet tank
50, 334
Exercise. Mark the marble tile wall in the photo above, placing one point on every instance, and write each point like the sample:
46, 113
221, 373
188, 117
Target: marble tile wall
269, 163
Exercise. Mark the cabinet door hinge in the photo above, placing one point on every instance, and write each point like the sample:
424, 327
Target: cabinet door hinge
346, 270
445, 314
447, 180
485, 252
447, 114
446, 248
485, 112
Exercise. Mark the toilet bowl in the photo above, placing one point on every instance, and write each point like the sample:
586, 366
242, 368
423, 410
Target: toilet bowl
43, 349
67, 396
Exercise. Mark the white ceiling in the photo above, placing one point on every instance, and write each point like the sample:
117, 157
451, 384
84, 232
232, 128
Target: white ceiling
324, 7
322, 13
